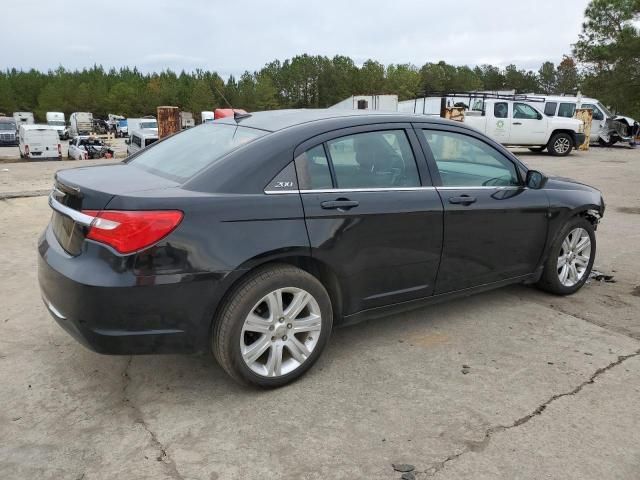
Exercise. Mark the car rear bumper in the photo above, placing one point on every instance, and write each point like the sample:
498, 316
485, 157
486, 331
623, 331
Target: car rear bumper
110, 310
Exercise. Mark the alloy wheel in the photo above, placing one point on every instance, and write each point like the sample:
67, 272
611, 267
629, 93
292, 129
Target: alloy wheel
574, 256
562, 145
280, 332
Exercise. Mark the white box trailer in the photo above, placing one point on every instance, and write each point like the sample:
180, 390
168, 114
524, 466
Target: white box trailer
387, 103
23, 118
80, 123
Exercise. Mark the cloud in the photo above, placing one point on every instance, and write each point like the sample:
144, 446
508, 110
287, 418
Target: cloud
231, 37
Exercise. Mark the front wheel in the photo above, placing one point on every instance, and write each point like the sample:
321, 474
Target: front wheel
560, 145
570, 258
273, 326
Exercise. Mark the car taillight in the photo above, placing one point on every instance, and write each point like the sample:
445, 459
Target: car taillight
131, 231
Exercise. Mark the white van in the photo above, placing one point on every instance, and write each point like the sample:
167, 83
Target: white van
39, 142
141, 139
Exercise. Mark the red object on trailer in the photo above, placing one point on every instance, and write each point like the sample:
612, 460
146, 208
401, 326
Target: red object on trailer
226, 112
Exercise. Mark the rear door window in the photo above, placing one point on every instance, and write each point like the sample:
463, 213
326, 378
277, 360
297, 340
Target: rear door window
566, 110
183, 155
313, 169
380, 159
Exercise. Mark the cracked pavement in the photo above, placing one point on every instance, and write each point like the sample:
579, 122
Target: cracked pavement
551, 391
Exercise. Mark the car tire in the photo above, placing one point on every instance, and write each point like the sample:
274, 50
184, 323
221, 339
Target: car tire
233, 339
560, 145
551, 280
537, 149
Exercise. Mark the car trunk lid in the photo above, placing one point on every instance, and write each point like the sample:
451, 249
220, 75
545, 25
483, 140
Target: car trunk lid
92, 188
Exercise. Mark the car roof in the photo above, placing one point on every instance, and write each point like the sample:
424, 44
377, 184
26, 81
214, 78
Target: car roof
275, 120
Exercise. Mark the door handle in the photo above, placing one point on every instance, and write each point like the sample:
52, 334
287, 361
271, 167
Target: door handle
517, 123
339, 204
463, 200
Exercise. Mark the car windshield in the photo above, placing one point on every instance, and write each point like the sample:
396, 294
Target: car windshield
153, 124
605, 110
56, 123
182, 156
122, 123
8, 126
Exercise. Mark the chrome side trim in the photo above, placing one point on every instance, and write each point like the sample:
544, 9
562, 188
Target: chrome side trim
509, 187
347, 190
279, 192
74, 215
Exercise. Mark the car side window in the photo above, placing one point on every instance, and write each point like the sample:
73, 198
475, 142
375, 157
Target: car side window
567, 110
380, 159
550, 109
464, 161
524, 111
501, 110
312, 168
597, 114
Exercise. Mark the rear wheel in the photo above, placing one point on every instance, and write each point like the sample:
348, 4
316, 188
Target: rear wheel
570, 259
560, 145
273, 326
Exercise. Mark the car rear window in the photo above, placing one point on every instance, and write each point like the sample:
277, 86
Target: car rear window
182, 156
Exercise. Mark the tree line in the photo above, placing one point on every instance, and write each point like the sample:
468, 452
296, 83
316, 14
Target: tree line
605, 63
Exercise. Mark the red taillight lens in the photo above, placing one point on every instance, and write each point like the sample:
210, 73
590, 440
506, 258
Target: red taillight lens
129, 231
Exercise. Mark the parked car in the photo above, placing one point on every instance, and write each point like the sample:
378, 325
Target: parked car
80, 123
141, 139
85, 147
39, 142
8, 132
606, 128
516, 123
253, 237
56, 120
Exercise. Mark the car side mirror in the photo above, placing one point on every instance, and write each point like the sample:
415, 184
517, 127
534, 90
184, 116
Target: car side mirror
539, 116
535, 179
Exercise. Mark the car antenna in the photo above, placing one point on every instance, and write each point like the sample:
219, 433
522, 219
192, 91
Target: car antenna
236, 115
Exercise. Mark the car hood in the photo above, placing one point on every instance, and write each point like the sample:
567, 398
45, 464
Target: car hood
563, 183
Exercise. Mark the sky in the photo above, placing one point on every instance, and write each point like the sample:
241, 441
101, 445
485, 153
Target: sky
233, 36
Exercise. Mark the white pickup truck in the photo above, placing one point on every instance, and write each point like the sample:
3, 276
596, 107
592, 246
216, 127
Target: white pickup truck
517, 124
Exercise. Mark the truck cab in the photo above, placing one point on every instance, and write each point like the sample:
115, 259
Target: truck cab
517, 123
8, 136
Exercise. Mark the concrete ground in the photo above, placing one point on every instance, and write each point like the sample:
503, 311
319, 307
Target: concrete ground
551, 386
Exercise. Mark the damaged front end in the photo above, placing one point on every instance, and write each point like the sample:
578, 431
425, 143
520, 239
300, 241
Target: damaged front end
619, 129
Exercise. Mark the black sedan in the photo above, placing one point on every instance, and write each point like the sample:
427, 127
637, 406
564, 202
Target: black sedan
253, 236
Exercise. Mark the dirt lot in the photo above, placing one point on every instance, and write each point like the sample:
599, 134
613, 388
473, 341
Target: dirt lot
551, 389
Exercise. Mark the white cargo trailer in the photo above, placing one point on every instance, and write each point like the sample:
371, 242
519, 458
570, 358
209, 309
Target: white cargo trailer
387, 103
81, 123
